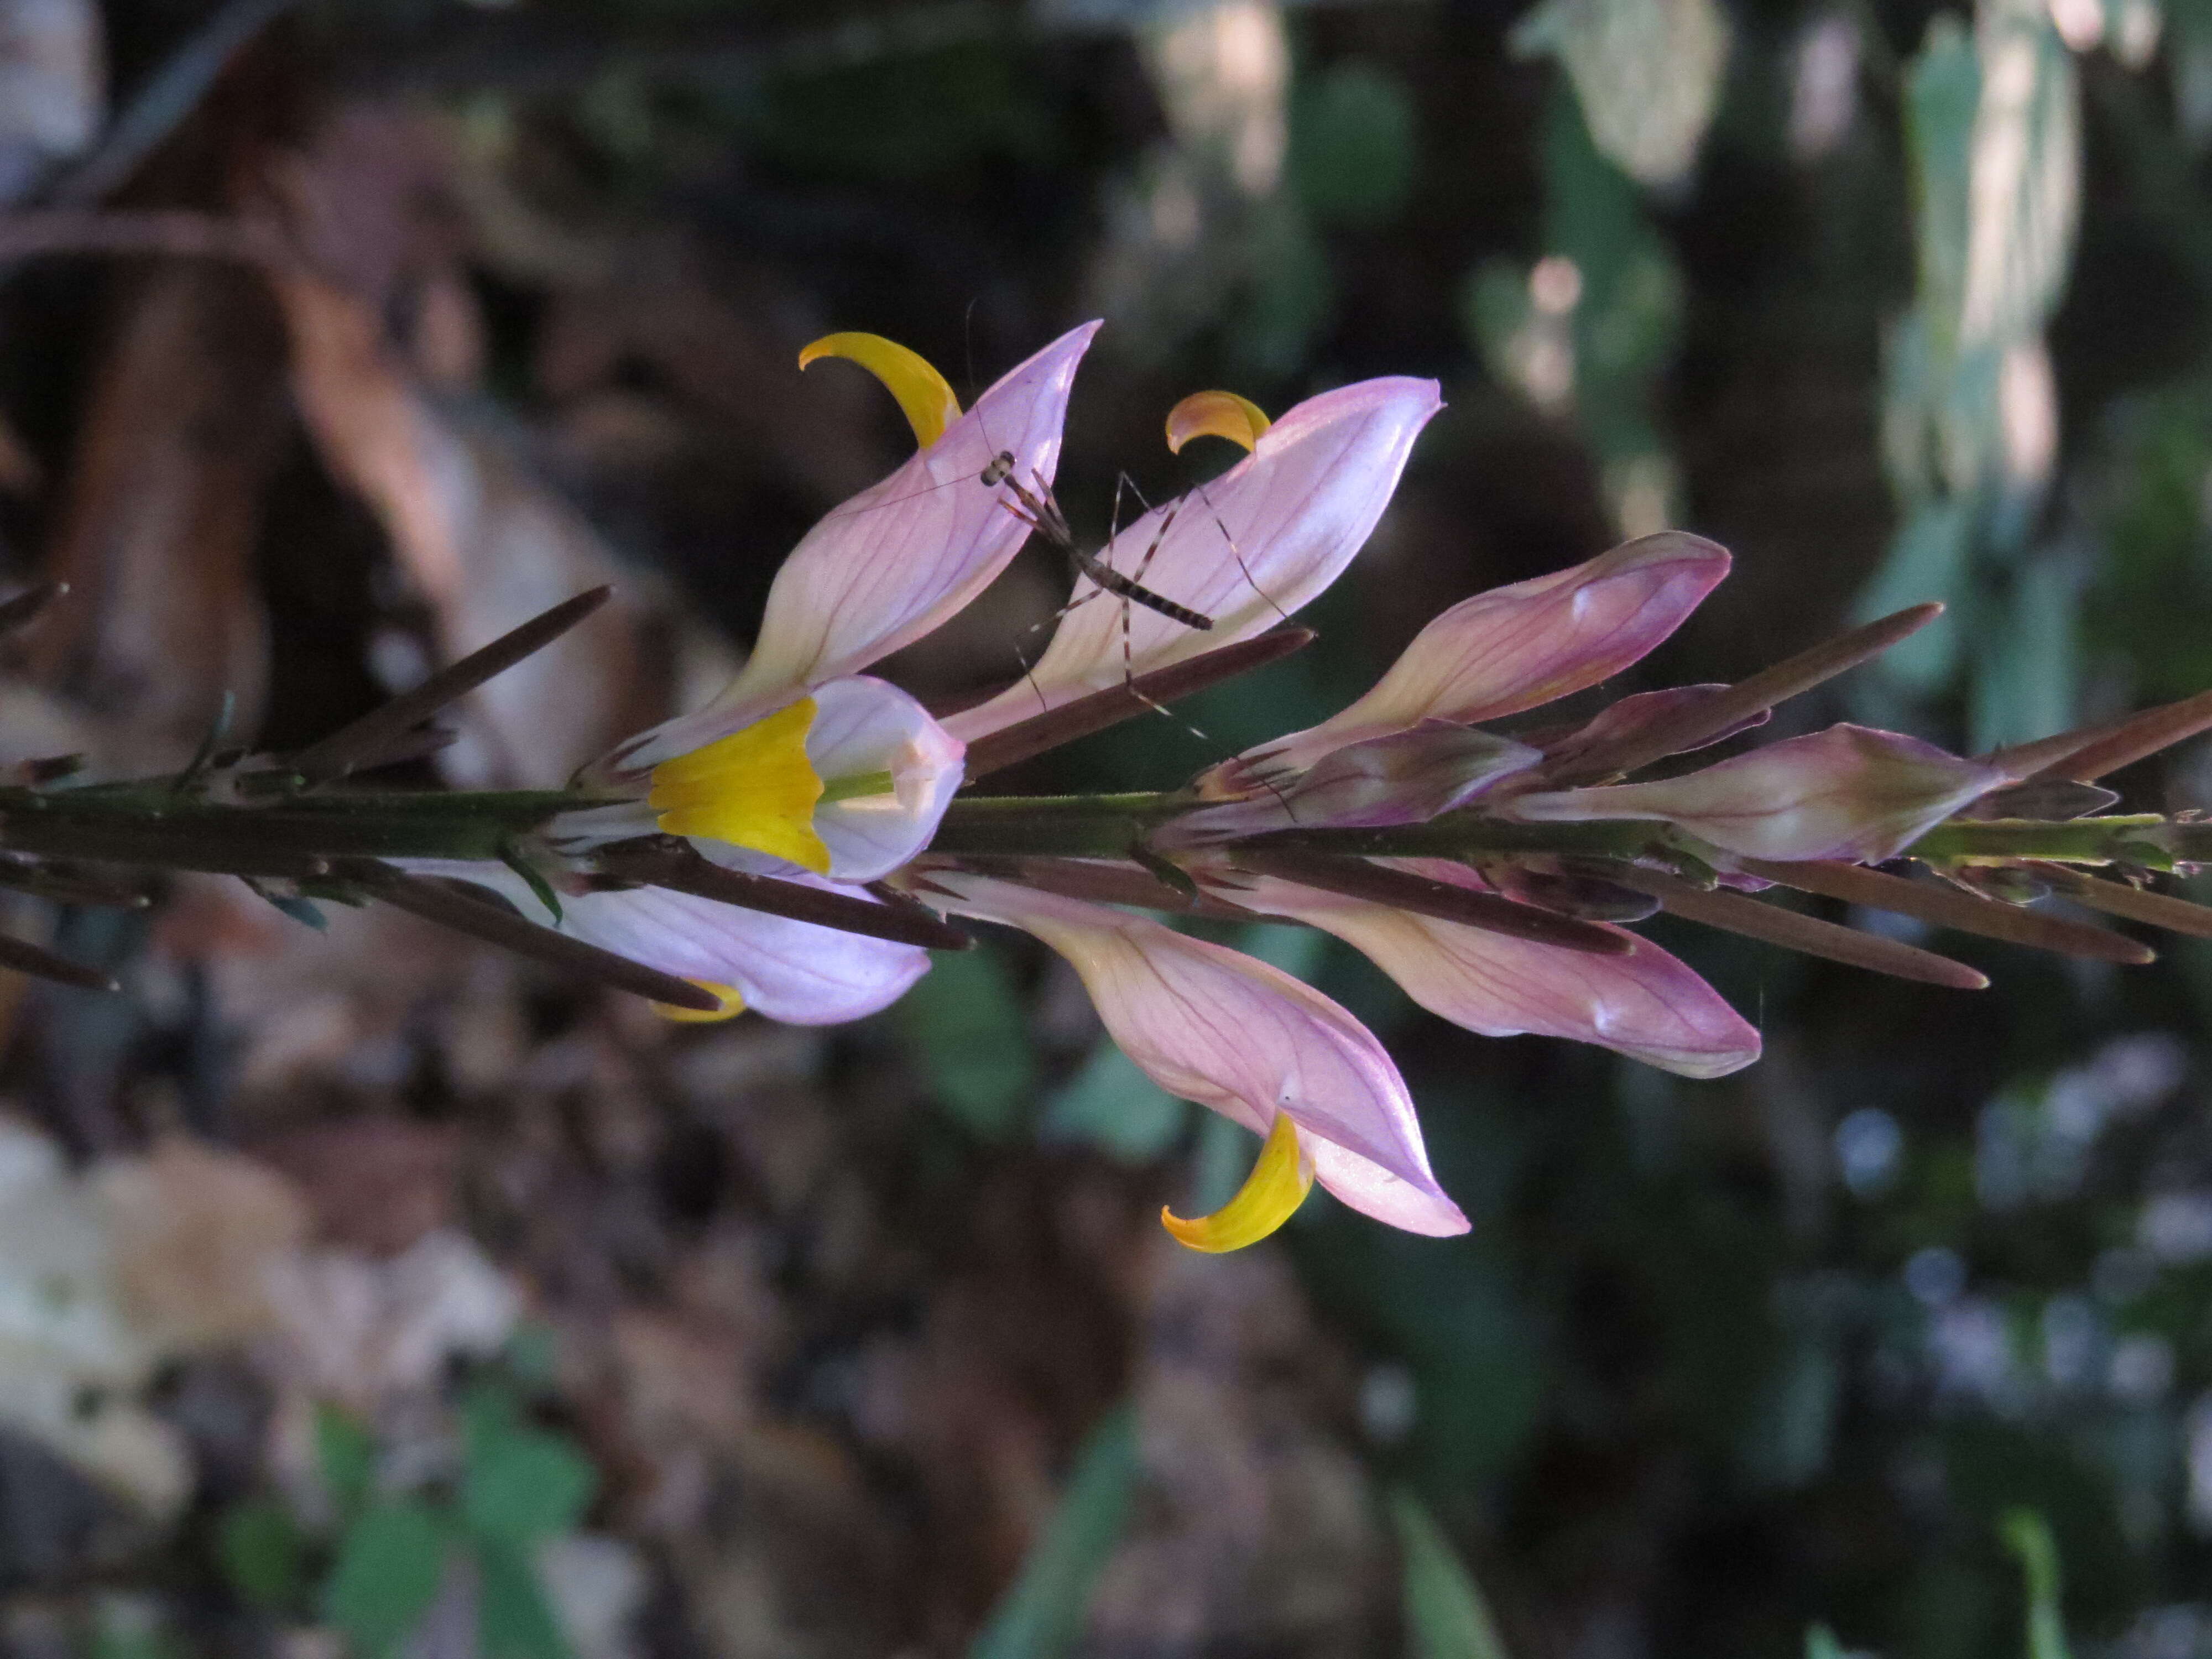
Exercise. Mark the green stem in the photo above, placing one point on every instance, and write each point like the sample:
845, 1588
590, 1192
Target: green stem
1105, 826
2137, 838
1054, 826
146, 823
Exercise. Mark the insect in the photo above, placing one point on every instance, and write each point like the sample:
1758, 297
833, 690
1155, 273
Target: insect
1042, 513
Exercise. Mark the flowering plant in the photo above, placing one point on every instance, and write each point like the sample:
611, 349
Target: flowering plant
797, 847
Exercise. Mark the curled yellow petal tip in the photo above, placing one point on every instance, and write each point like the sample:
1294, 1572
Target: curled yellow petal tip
1270, 1196
923, 394
754, 788
732, 1006
1216, 415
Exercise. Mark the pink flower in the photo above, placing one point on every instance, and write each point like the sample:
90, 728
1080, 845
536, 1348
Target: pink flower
804, 766
1645, 1005
1247, 1039
792, 971
1249, 549
1846, 793
899, 559
1515, 647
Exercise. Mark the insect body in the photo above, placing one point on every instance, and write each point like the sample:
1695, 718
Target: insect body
1042, 513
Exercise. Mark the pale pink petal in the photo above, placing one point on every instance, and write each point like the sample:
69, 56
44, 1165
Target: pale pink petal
1846, 793
1408, 777
864, 726
1247, 1039
792, 971
1515, 647
1646, 1005
1251, 548
898, 559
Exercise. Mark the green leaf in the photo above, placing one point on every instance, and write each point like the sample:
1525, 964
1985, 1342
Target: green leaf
2021, 238
1040, 1614
1927, 560
1647, 74
346, 1455
1787, 1435
1820, 1644
1446, 1616
531, 1355
261, 1549
128, 1625
391, 1563
1112, 1105
1993, 254
1494, 308
514, 1620
1296, 952
2027, 1534
1943, 88
966, 1023
1220, 1163
519, 1484
1287, 296
2028, 668
1353, 145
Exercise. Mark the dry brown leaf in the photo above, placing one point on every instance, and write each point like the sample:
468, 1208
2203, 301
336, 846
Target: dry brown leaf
194, 1232
726, 345
364, 1331
160, 512
376, 1183
19, 472
337, 1008
1258, 1535
487, 546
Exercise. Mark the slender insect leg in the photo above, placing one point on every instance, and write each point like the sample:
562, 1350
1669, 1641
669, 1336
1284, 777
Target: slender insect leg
1135, 582
1237, 553
1039, 510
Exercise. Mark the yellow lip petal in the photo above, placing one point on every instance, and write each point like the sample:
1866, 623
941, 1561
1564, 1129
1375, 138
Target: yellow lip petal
732, 1006
922, 394
1270, 1196
754, 788
1216, 415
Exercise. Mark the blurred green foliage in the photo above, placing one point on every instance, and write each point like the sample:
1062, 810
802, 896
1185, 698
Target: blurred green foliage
387, 1556
1040, 1615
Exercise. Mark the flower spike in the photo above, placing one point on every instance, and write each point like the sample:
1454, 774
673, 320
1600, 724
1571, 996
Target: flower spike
1270, 1196
1217, 414
923, 395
